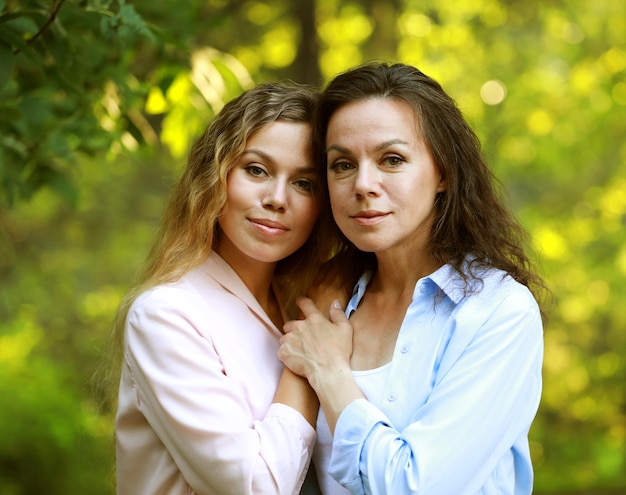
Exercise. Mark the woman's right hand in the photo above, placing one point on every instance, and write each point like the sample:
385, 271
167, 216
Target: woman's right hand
315, 344
320, 350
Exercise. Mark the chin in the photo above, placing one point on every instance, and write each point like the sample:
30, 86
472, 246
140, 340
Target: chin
367, 245
272, 257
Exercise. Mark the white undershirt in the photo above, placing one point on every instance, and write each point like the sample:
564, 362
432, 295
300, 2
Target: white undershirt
372, 384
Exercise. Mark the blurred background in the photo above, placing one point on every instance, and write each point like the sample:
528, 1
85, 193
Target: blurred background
100, 100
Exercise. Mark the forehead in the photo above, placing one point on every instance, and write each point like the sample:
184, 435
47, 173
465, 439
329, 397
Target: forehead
281, 129
377, 117
282, 143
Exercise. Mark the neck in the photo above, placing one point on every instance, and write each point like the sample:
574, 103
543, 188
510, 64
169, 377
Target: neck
258, 278
398, 274
256, 275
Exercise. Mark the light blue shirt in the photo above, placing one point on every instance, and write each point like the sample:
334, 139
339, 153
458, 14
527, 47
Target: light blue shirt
462, 392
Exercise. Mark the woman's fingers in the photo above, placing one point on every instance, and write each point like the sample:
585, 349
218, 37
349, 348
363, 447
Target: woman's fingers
307, 306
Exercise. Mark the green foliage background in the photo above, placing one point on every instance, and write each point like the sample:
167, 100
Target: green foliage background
100, 99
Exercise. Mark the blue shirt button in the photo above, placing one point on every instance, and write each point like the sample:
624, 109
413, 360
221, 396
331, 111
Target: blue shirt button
404, 349
391, 397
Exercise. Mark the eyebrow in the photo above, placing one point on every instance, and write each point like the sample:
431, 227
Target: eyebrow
259, 153
380, 147
265, 157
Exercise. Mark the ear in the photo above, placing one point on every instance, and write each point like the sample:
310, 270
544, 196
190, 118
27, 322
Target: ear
443, 184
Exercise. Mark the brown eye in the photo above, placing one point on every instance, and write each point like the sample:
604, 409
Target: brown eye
393, 161
305, 184
255, 170
341, 166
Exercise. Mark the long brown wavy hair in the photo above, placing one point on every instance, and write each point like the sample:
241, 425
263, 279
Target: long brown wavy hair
472, 221
189, 228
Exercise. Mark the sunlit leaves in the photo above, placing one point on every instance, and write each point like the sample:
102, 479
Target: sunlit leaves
194, 97
278, 46
493, 92
44, 425
342, 29
17, 343
259, 12
59, 66
550, 243
87, 95
266, 37
125, 26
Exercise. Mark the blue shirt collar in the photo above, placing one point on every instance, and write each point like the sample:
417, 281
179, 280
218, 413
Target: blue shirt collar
445, 279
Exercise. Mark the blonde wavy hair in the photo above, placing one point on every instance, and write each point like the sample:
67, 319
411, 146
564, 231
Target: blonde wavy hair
189, 228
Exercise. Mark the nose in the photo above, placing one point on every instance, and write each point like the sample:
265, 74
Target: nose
367, 182
276, 196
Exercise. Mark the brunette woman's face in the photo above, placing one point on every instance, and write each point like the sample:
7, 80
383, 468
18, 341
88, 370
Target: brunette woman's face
382, 179
272, 202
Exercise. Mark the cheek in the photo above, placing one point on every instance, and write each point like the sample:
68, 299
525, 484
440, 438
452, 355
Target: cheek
236, 193
340, 196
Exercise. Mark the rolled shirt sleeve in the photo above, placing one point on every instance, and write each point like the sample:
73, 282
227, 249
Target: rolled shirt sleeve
461, 426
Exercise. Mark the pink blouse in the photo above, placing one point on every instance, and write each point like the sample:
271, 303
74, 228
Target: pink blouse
195, 411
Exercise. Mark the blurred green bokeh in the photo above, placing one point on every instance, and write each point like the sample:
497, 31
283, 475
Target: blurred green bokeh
99, 101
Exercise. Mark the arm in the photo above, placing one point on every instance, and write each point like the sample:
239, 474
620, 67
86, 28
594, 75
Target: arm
477, 415
320, 350
485, 394
294, 391
199, 412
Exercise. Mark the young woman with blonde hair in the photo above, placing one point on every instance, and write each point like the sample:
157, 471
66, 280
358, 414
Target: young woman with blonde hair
204, 404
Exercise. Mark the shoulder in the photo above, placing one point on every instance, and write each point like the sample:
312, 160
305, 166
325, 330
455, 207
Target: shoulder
480, 285
498, 317
195, 296
497, 286
501, 305
488, 295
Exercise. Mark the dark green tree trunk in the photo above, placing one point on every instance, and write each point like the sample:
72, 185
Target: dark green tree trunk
306, 68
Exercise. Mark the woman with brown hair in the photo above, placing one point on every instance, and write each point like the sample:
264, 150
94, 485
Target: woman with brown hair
431, 385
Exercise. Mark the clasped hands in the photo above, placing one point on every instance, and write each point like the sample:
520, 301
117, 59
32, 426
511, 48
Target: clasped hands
315, 344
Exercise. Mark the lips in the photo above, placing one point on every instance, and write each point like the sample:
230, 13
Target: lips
369, 217
267, 226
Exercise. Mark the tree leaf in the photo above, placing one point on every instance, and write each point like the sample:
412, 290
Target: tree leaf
7, 61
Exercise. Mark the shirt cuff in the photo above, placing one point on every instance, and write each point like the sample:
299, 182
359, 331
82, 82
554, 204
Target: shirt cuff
288, 414
353, 427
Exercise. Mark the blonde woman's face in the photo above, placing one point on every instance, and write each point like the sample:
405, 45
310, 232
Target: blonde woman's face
272, 203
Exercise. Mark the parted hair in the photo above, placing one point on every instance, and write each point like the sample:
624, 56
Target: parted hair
472, 219
189, 228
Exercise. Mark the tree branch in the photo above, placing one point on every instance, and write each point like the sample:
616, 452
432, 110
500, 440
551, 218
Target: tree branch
50, 20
